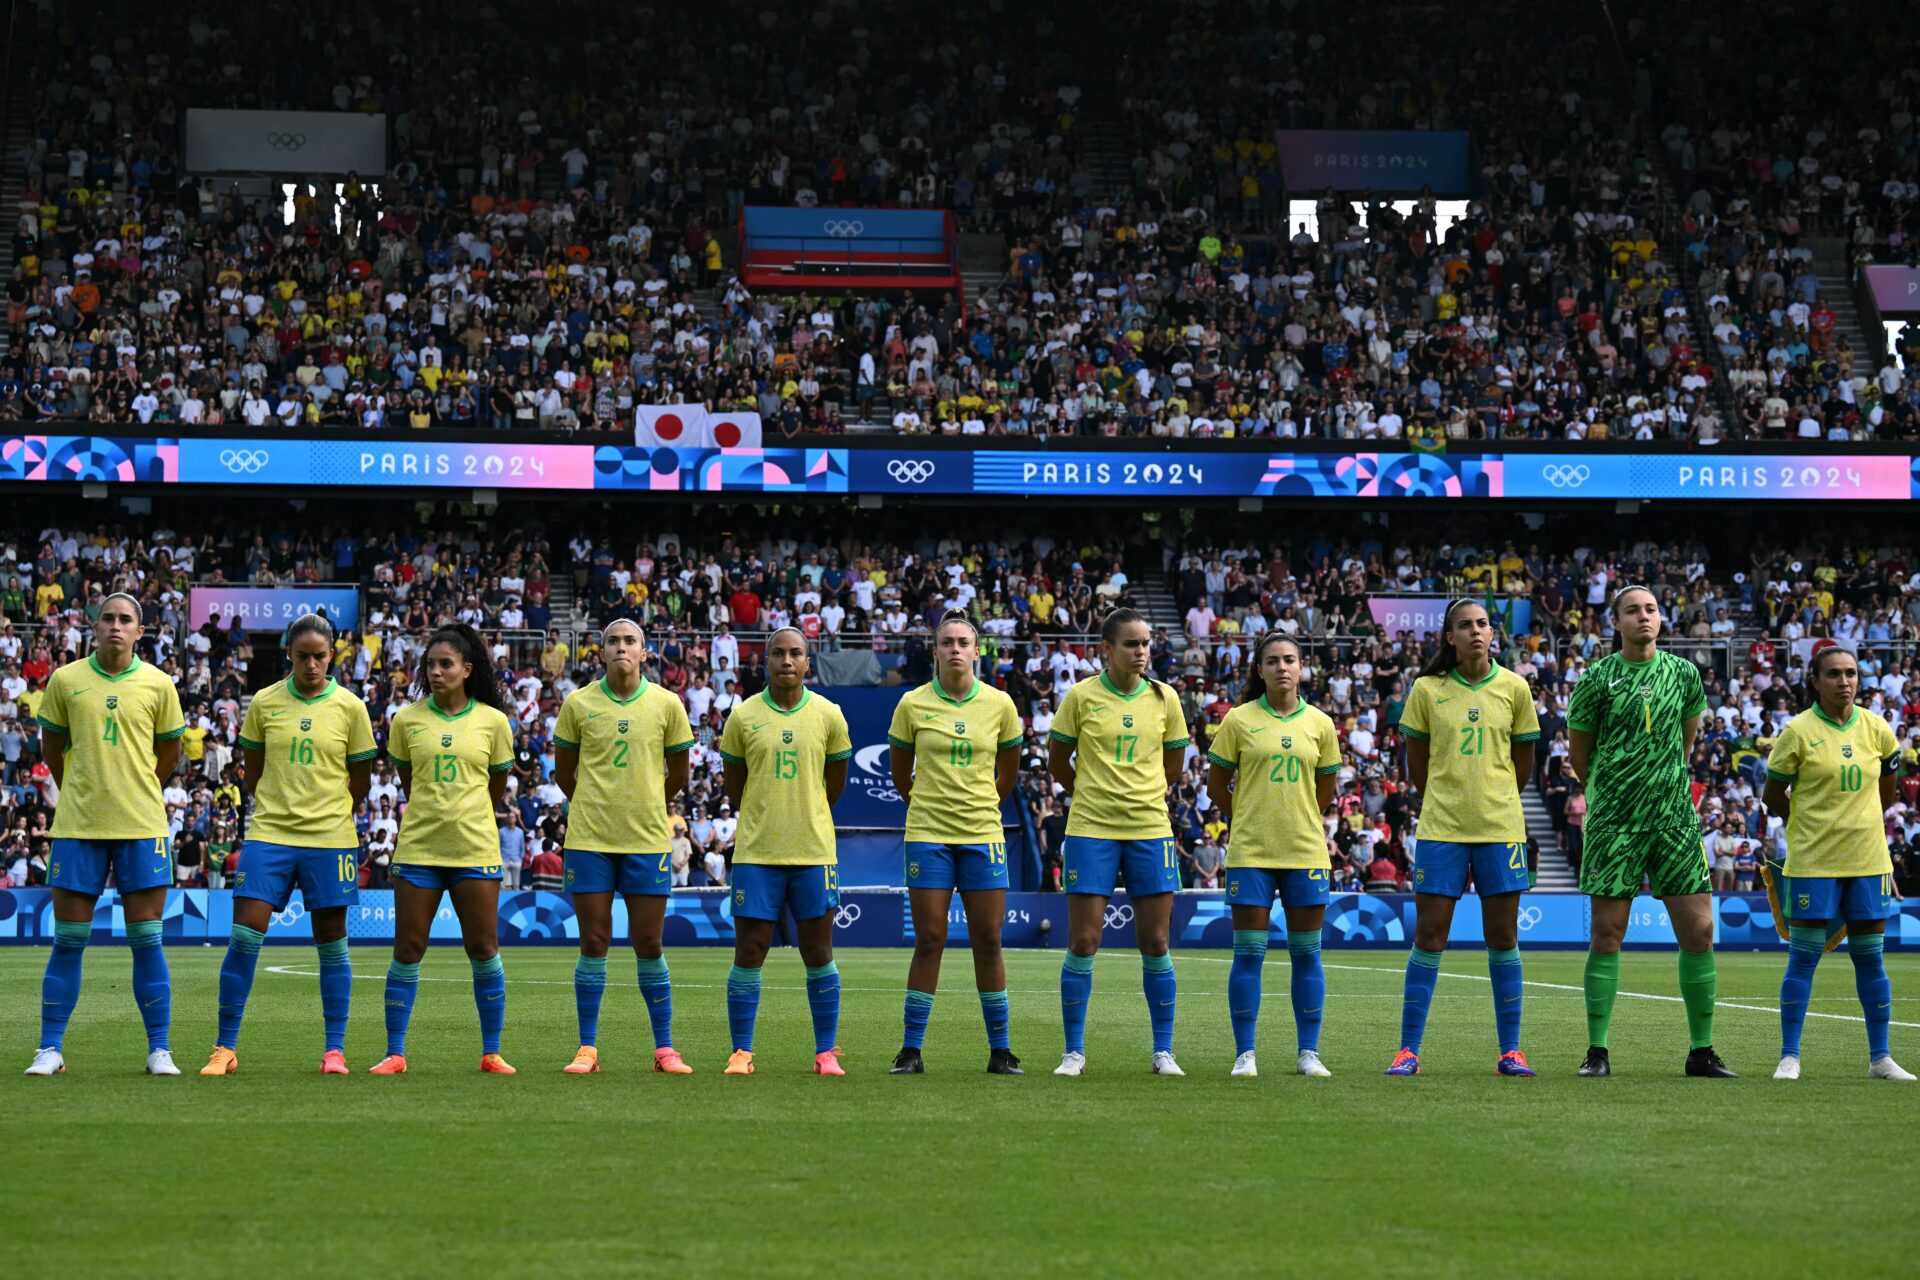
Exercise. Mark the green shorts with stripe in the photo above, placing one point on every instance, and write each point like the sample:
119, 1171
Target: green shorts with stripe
1673, 862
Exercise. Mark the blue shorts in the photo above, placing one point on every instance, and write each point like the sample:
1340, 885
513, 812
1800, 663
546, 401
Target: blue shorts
1300, 887
421, 876
1837, 897
1440, 867
1093, 864
327, 877
82, 865
621, 873
956, 866
760, 891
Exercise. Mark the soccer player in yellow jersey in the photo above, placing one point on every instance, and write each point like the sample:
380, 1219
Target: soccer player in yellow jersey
453, 750
307, 752
1270, 771
110, 729
785, 752
1831, 776
1470, 727
954, 746
620, 753
1119, 741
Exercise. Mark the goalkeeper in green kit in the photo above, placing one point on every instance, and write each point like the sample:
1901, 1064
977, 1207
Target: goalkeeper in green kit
1632, 721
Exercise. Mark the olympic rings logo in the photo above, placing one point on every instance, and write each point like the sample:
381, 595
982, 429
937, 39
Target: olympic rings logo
286, 141
845, 916
1119, 917
1529, 917
841, 229
1561, 476
245, 461
293, 911
911, 470
886, 795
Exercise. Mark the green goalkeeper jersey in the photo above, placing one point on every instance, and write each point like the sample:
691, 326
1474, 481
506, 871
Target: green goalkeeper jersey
1637, 712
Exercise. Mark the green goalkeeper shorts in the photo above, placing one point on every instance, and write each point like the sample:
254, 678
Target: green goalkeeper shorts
1673, 862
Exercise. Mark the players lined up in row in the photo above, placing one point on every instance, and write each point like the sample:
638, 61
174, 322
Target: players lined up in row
111, 726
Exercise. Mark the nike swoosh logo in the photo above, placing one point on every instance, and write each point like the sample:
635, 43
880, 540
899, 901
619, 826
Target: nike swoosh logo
1438, 701
1620, 681
81, 693
275, 715
1254, 733
1512, 999
1166, 1004
661, 1000
753, 728
595, 715
1812, 745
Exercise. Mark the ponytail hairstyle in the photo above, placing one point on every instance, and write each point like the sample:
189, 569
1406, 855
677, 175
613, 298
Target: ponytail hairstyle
481, 685
139, 614
1446, 657
804, 642
1110, 632
1256, 684
957, 617
1613, 611
310, 623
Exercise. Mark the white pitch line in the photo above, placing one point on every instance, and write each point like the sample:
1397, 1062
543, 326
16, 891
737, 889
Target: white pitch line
1561, 986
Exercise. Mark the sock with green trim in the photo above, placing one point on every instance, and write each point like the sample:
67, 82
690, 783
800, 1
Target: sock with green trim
152, 990
1244, 987
1156, 980
993, 1008
336, 992
1804, 949
236, 982
1416, 999
656, 988
1699, 982
589, 989
1076, 991
743, 1006
823, 998
1309, 986
490, 998
1601, 982
403, 984
60, 989
919, 1012
1875, 988
1503, 967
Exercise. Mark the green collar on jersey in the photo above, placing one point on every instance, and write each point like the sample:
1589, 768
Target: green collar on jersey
766, 696
1822, 713
608, 690
1492, 671
1137, 689
1295, 714
325, 690
973, 691
457, 715
133, 665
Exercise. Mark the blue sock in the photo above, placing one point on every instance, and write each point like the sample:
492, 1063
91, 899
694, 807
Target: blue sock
490, 997
1243, 986
993, 1008
336, 992
823, 997
589, 987
236, 981
1309, 986
743, 1005
403, 983
919, 1011
1875, 988
1804, 949
1423, 975
151, 989
1156, 979
656, 988
1076, 989
1504, 968
60, 989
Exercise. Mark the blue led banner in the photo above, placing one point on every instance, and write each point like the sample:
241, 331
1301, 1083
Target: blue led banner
1201, 471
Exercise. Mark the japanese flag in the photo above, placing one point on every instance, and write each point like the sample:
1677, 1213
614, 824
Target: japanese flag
733, 430
674, 425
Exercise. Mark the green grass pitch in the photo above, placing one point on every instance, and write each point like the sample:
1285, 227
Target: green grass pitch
445, 1172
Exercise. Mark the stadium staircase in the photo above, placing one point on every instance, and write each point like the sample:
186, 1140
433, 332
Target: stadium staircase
1833, 264
1554, 874
15, 137
1101, 124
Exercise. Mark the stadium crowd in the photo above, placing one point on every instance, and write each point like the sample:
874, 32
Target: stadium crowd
557, 254
1747, 619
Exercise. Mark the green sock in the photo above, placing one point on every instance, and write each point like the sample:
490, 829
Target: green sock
1602, 984
1698, 984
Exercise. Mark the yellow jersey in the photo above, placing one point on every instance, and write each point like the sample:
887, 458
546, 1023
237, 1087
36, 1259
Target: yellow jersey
300, 798
1276, 761
956, 743
448, 821
619, 798
1472, 795
785, 820
112, 725
1119, 740
1836, 826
